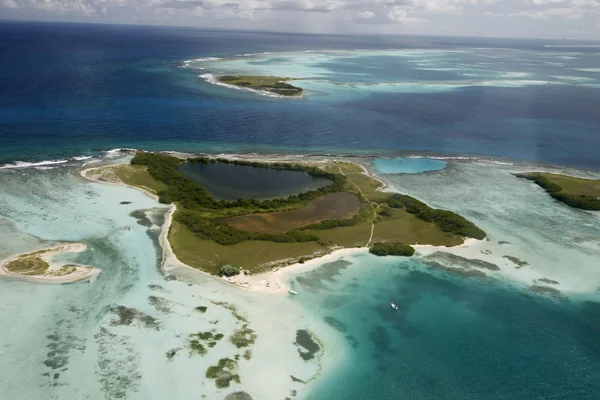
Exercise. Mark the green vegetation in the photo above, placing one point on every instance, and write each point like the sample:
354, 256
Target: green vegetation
223, 373
224, 234
201, 309
27, 265
243, 337
195, 341
391, 249
229, 270
273, 84
256, 235
231, 308
138, 176
365, 214
248, 355
340, 205
575, 192
447, 221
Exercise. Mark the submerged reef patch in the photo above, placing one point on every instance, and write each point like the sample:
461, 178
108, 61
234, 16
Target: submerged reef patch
118, 365
452, 260
127, 316
201, 309
224, 372
142, 218
548, 281
547, 290
520, 263
466, 272
243, 337
307, 344
161, 304
238, 396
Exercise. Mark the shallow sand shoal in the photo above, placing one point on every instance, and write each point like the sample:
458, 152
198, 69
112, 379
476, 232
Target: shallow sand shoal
81, 272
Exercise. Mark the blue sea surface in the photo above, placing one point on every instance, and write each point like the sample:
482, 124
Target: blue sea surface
72, 89
407, 165
451, 338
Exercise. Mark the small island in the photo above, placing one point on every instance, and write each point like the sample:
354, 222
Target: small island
340, 206
575, 192
271, 84
39, 266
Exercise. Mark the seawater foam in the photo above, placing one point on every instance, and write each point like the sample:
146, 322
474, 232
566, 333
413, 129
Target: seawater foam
22, 164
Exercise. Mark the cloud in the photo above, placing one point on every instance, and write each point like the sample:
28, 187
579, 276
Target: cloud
464, 17
565, 12
365, 14
400, 14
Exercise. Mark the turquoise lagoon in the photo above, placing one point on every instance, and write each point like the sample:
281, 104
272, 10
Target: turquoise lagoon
407, 165
453, 336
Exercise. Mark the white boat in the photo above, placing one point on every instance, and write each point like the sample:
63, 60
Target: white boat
292, 292
395, 307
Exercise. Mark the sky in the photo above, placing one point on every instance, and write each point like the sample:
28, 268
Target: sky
560, 19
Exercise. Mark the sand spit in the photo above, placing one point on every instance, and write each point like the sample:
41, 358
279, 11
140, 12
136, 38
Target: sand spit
56, 272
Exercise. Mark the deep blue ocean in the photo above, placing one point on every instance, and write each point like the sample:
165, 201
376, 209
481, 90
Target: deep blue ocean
70, 89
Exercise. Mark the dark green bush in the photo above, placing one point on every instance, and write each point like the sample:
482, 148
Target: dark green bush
391, 249
229, 270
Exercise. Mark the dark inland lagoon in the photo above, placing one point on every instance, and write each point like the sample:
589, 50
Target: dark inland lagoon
232, 182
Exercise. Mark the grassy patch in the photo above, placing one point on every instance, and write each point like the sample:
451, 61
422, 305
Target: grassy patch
575, 192
138, 176
341, 205
27, 265
401, 226
255, 256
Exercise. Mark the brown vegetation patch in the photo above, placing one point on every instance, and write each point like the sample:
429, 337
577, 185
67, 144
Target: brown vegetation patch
332, 206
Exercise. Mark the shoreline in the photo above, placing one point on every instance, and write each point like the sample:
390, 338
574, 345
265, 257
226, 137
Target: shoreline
268, 282
80, 274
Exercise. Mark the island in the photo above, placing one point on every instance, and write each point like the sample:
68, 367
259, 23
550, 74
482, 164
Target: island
39, 266
575, 192
271, 84
242, 224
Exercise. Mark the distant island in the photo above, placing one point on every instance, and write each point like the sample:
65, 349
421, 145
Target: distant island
271, 84
39, 266
575, 192
346, 210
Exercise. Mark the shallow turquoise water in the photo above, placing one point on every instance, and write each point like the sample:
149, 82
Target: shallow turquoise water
407, 165
62, 342
452, 338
